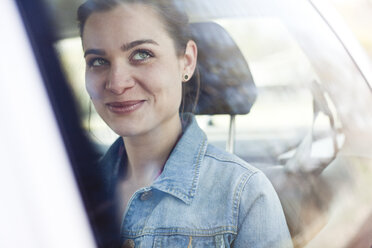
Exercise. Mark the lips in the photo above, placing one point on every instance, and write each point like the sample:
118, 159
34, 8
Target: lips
125, 107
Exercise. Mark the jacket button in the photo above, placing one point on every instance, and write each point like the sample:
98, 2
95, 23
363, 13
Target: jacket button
129, 243
146, 195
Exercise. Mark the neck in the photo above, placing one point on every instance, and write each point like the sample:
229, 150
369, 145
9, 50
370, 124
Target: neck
148, 153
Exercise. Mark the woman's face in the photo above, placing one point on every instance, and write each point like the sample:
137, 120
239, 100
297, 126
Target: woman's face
133, 73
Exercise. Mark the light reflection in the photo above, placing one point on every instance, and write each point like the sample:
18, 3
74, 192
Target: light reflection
285, 54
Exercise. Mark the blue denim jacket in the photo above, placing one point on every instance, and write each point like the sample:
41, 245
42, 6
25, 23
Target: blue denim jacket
205, 197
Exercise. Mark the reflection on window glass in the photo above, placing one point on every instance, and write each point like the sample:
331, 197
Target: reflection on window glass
72, 57
283, 111
357, 16
280, 70
307, 128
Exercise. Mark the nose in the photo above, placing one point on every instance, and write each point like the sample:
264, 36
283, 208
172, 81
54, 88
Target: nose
120, 79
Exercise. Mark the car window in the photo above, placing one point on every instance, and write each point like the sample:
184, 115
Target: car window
309, 127
281, 72
356, 16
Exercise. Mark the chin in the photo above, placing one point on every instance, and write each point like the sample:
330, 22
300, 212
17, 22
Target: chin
126, 127
127, 132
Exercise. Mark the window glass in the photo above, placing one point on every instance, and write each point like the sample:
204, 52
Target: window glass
71, 54
357, 15
282, 112
311, 117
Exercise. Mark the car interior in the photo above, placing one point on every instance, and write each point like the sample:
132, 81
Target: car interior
274, 91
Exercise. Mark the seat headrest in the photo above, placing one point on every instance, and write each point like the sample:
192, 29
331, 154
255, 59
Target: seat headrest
226, 84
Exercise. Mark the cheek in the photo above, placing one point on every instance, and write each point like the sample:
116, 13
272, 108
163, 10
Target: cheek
173, 94
93, 86
166, 84
177, 91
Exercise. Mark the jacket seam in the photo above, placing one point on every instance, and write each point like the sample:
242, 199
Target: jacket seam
231, 161
181, 231
197, 164
246, 177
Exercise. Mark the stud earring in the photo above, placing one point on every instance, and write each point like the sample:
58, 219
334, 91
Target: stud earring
186, 77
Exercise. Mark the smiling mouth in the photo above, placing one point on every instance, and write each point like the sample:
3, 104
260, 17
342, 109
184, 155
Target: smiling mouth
124, 107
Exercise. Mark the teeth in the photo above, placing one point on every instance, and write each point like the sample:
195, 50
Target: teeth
120, 105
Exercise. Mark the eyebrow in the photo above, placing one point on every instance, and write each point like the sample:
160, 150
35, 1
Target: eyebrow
99, 52
135, 43
125, 47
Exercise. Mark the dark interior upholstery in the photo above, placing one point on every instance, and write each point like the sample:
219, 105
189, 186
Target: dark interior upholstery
227, 85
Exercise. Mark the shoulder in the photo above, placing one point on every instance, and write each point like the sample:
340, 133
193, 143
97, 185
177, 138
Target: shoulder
225, 161
233, 176
254, 202
225, 177
245, 182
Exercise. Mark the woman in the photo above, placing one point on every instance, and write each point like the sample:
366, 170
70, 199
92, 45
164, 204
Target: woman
170, 187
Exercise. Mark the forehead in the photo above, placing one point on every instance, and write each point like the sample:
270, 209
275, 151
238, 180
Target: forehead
127, 21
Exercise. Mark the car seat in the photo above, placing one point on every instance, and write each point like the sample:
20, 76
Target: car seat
227, 87
226, 83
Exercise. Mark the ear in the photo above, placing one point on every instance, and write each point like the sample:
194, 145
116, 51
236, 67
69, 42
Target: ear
189, 60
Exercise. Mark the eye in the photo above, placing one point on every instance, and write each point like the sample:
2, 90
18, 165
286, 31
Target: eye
97, 62
141, 55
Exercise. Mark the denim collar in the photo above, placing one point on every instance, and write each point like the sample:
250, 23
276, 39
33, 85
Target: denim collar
180, 175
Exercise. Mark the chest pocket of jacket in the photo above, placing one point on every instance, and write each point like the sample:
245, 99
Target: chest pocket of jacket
183, 241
